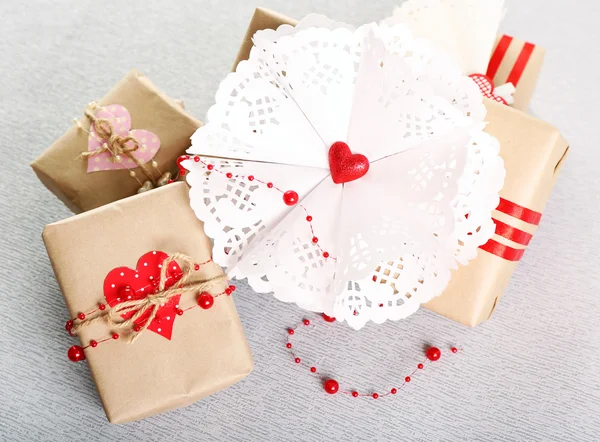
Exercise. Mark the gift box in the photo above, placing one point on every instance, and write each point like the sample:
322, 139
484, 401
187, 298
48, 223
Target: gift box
189, 351
135, 107
533, 152
512, 60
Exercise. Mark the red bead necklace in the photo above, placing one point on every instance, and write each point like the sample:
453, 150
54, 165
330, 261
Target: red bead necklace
332, 386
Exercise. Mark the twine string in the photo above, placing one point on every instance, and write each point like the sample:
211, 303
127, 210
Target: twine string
151, 303
114, 143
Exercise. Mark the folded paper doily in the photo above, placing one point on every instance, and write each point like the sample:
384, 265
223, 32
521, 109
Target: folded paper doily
372, 248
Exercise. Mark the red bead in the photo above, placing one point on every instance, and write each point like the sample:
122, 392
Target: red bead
250, 177
454, 349
309, 218
115, 336
407, 379
137, 328
229, 175
375, 396
81, 316
102, 307
290, 198
197, 267
297, 360
315, 239
328, 318
210, 167
179, 312
290, 331
325, 254
270, 185
68, 325
228, 291
197, 159
433, 353
93, 343
206, 300
288, 345
306, 322
76, 353
355, 394
420, 366
232, 288
331, 386
393, 391
313, 369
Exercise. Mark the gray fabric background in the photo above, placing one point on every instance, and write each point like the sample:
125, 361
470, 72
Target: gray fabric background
530, 373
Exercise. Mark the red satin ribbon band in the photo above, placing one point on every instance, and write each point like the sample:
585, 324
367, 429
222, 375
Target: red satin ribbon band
520, 212
504, 252
512, 233
520, 64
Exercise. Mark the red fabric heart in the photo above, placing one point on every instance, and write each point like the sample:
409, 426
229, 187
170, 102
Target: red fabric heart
486, 86
125, 284
346, 166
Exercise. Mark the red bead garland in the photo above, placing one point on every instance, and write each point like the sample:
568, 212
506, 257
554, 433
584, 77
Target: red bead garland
332, 386
433, 353
76, 352
206, 300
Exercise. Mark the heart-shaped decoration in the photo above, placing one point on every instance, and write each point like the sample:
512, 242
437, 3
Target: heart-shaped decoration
486, 85
125, 284
120, 120
344, 165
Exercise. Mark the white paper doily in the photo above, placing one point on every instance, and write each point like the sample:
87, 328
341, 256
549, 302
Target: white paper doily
371, 249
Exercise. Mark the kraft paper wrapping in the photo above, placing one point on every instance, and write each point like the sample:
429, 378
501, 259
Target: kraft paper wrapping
267, 19
207, 351
64, 173
532, 151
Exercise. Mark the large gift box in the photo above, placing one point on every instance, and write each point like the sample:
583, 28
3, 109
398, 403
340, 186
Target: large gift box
178, 359
532, 150
160, 125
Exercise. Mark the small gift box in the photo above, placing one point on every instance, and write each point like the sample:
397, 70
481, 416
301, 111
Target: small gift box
532, 151
128, 141
186, 345
512, 60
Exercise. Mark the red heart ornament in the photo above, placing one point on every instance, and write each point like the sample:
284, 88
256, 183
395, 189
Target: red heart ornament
344, 165
486, 86
125, 284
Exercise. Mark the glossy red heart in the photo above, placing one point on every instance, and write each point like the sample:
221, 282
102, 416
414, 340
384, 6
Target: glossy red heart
486, 86
125, 284
346, 166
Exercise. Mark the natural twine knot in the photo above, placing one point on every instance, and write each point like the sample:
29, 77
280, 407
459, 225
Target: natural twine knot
151, 303
113, 143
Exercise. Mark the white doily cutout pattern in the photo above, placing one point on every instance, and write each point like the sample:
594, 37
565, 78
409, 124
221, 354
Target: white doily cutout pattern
372, 249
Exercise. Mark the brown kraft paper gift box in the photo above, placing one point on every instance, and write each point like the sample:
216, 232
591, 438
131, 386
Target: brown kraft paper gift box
207, 351
512, 52
532, 150
61, 169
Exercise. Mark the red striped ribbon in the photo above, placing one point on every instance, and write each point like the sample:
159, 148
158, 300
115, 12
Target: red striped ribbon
512, 233
520, 64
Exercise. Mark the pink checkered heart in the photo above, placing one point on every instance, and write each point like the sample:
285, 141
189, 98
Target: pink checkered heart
119, 118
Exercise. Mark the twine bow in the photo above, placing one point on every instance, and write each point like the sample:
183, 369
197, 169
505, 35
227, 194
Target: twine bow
114, 143
151, 303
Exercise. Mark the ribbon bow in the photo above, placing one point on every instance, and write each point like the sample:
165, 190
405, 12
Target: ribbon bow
149, 304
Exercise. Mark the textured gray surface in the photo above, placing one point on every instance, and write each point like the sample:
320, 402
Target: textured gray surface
530, 373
